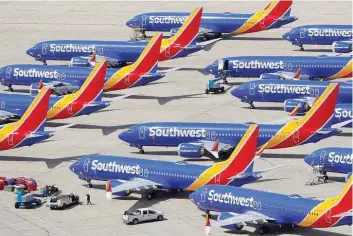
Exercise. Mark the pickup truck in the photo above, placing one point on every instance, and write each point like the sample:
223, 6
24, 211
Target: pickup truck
62, 201
141, 215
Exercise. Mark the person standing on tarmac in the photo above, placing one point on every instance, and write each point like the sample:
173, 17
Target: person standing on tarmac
88, 199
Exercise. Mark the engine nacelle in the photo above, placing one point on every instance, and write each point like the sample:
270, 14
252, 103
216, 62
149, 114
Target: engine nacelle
110, 189
189, 150
291, 104
82, 62
348, 176
59, 88
173, 31
225, 216
269, 76
342, 47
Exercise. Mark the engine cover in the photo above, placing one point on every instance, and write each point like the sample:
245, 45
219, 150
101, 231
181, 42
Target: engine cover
81, 62
291, 104
342, 47
270, 76
173, 31
189, 150
348, 176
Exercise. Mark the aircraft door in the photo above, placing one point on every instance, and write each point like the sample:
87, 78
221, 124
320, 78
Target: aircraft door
322, 157
8, 72
328, 216
218, 178
167, 52
262, 23
203, 195
69, 109
10, 139
144, 20
296, 137
44, 48
142, 132
220, 65
302, 33
86, 164
127, 80
145, 172
252, 89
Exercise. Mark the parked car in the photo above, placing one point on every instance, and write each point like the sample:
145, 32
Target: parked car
61, 201
141, 215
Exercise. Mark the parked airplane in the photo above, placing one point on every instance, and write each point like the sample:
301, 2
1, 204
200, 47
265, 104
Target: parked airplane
337, 160
275, 15
64, 80
196, 139
119, 53
125, 175
282, 67
30, 128
291, 92
83, 102
339, 36
239, 206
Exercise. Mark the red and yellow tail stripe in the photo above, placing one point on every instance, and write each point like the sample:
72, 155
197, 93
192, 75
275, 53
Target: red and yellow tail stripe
130, 75
345, 72
15, 133
325, 213
72, 104
237, 163
265, 18
314, 120
185, 35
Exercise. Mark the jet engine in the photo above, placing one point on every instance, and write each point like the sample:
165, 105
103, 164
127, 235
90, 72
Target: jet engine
269, 76
342, 47
348, 176
110, 189
291, 104
189, 150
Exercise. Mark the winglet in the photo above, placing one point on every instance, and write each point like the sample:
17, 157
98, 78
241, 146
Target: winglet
93, 57
146, 63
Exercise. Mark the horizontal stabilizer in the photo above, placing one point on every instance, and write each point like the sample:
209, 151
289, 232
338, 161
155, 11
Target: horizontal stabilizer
59, 128
341, 124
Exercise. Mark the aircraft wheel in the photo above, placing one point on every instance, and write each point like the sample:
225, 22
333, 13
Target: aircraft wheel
141, 151
150, 196
301, 48
90, 185
222, 89
264, 230
325, 178
207, 91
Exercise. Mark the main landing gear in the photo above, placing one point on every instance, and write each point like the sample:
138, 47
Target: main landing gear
141, 151
151, 195
252, 105
301, 47
264, 229
89, 183
10, 88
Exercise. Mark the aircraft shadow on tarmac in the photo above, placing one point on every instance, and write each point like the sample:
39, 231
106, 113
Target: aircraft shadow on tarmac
283, 155
314, 50
268, 108
344, 134
51, 163
231, 37
106, 130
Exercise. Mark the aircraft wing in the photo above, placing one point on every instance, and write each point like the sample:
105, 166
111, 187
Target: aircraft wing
136, 184
5, 115
230, 218
285, 75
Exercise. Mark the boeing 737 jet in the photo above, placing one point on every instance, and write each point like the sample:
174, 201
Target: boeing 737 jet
275, 15
64, 80
336, 160
196, 139
291, 92
239, 206
119, 53
86, 100
126, 175
30, 128
282, 67
339, 36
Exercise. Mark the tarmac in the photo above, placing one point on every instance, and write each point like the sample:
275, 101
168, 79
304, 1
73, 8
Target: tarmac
177, 97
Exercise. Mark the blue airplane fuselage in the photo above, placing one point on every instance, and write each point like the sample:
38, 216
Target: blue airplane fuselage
217, 22
306, 67
27, 74
171, 175
338, 160
285, 209
319, 34
172, 134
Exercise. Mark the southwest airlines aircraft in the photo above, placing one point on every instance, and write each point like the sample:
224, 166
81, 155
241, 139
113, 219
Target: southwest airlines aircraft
239, 206
30, 128
196, 139
291, 92
282, 67
336, 160
339, 36
126, 175
275, 15
119, 53
86, 100
64, 79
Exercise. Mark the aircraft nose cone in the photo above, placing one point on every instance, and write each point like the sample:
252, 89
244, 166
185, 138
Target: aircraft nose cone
310, 160
236, 93
128, 23
72, 167
30, 52
286, 36
122, 136
192, 197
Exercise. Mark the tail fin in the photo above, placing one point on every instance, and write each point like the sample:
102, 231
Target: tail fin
345, 195
146, 63
92, 88
35, 116
278, 8
187, 34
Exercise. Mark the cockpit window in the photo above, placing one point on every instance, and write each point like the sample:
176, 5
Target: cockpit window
34, 47
215, 63
292, 31
77, 162
134, 19
129, 131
